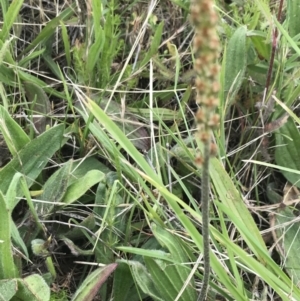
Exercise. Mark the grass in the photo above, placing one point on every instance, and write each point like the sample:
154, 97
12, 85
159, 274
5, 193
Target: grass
99, 191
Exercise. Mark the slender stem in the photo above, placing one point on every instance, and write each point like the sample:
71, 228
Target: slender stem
50, 267
274, 47
205, 220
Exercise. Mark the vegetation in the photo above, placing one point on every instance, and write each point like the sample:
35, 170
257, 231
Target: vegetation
100, 193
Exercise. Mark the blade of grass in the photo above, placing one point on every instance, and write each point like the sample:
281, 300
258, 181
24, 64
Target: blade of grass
9, 18
7, 266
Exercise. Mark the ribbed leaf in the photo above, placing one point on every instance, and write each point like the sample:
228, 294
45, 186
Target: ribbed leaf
91, 285
144, 280
80, 186
31, 160
13, 134
289, 242
7, 269
40, 105
235, 63
287, 153
33, 288
162, 280
293, 13
124, 286
8, 288
54, 189
176, 272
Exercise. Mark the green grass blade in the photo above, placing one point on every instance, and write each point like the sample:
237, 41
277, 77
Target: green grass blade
9, 18
49, 29
117, 134
292, 43
229, 195
7, 266
94, 52
154, 44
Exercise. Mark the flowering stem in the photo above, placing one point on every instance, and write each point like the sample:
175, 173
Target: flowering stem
205, 220
206, 49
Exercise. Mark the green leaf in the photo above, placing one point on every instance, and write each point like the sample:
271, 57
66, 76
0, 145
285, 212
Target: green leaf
129, 124
154, 44
94, 52
5, 54
293, 13
66, 41
120, 137
124, 288
82, 167
33, 288
163, 279
287, 152
9, 18
18, 241
144, 280
78, 232
49, 29
287, 232
177, 272
54, 189
232, 199
40, 247
13, 134
32, 159
235, 63
91, 285
263, 48
8, 288
97, 7
7, 266
40, 105
10, 199
80, 186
